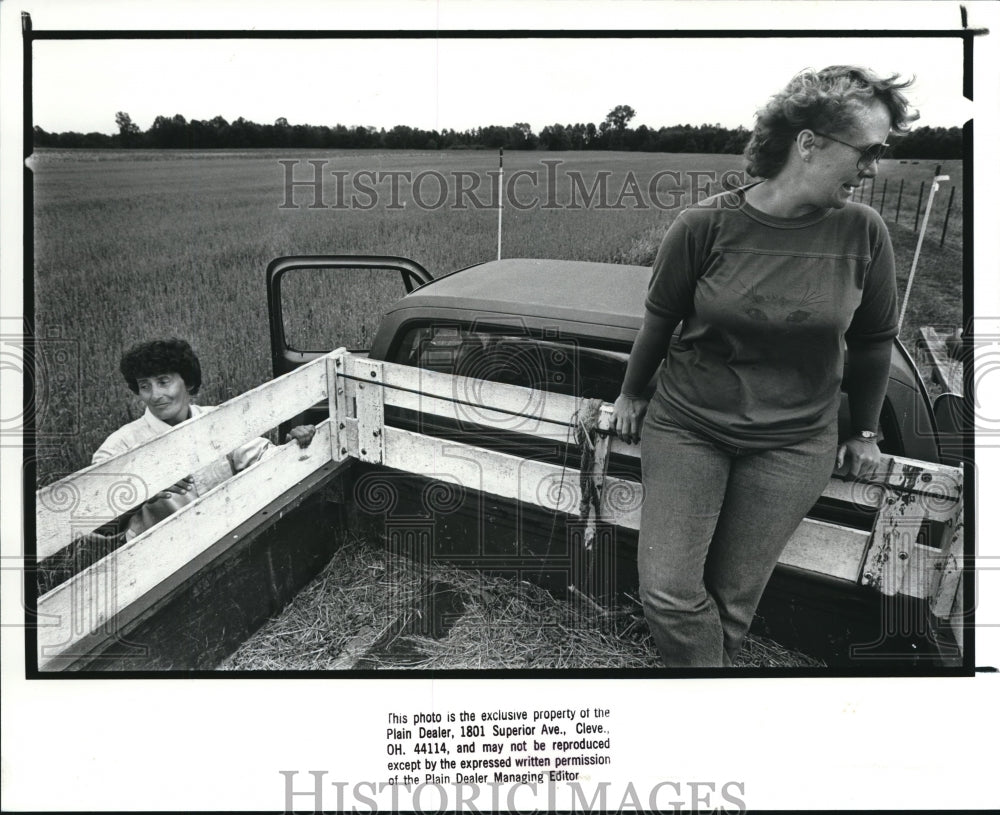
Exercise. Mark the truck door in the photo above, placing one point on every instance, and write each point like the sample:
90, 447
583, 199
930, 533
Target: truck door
317, 303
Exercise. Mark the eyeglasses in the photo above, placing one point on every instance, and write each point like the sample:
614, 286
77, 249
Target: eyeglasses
869, 154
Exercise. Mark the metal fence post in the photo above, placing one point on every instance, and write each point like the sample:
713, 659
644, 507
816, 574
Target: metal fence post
920, 200
947, 215
899, 199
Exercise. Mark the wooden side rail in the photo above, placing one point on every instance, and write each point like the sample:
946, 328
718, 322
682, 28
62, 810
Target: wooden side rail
93, 602
89, 498
907, 498
910, 499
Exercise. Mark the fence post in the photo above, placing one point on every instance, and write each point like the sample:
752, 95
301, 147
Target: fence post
947, 215
881, 203
920, 200
899, 199
871, 195
920, 240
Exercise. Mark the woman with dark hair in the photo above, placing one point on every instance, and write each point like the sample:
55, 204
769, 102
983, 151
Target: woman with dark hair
768, 283
165, 374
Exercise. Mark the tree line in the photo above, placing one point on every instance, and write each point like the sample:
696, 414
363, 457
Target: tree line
613, 133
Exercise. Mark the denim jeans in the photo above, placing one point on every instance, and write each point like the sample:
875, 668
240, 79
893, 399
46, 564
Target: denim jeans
714, 521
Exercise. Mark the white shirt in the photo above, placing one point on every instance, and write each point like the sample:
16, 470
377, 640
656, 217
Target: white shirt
148, 427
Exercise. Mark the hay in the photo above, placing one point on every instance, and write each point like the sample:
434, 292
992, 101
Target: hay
365, 610
760, 652
352, 594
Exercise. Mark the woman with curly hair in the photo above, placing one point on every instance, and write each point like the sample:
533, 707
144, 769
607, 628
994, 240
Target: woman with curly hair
165, 374
768, 283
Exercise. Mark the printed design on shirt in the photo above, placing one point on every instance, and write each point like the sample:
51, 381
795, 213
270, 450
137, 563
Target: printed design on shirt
790, 307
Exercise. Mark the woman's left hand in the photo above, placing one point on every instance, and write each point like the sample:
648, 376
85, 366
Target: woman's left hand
861, 457
303, 434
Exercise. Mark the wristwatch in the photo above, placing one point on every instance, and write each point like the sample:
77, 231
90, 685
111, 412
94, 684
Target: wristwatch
867, 435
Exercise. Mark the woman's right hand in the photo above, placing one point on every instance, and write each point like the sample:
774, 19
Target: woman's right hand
185, 485
627, 416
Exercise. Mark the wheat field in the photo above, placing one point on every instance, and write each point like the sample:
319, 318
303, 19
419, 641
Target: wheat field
131, 245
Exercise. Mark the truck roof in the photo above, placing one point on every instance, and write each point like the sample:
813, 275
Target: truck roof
583, 291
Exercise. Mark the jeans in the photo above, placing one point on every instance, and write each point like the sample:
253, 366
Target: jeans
714, 521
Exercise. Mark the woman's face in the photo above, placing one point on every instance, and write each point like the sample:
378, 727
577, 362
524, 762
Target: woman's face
166, 396
833, 169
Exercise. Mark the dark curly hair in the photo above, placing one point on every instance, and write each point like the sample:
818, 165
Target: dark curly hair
166, 356
825, 100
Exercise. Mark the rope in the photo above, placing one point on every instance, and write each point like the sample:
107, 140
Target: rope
585, 420
479, 405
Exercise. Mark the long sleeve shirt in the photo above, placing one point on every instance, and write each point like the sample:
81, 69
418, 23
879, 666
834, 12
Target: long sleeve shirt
148, 427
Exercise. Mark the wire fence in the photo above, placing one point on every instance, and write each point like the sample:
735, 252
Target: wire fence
904, 199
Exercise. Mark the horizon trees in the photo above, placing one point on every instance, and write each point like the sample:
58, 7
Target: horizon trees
613, 133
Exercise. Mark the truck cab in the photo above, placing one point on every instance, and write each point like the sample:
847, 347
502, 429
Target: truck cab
555, 325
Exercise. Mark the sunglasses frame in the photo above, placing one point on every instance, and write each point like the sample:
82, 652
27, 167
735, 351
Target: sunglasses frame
877, 151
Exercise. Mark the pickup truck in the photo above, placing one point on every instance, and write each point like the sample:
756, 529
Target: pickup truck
456, 436
560, 326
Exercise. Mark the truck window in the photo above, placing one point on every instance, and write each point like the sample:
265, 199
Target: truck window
557, 364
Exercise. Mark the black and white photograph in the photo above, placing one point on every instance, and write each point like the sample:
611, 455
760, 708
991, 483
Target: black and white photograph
516, 407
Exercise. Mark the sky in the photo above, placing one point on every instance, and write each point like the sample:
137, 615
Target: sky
459, 84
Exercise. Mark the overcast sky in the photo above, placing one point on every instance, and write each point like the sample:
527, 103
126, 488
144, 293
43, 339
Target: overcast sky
436, 84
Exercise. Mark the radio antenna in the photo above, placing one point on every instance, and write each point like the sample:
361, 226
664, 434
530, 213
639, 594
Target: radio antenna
500, 208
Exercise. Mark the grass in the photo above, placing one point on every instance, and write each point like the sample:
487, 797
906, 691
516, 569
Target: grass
177, 244
345, 619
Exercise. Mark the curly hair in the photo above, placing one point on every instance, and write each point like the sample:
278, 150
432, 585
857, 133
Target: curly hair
825, 100
165, 356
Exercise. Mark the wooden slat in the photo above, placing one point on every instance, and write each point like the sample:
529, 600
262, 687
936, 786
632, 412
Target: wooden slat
861, 494
536, 482
336, 402
825, 548
948, 591
93, 496
369, 409
550, 416
90, 600
529, 405
495, 405
895, 563
817, 546
935, 488
946, 370
923, 577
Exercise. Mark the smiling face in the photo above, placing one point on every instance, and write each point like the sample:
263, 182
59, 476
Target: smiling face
166, 396
833, 171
